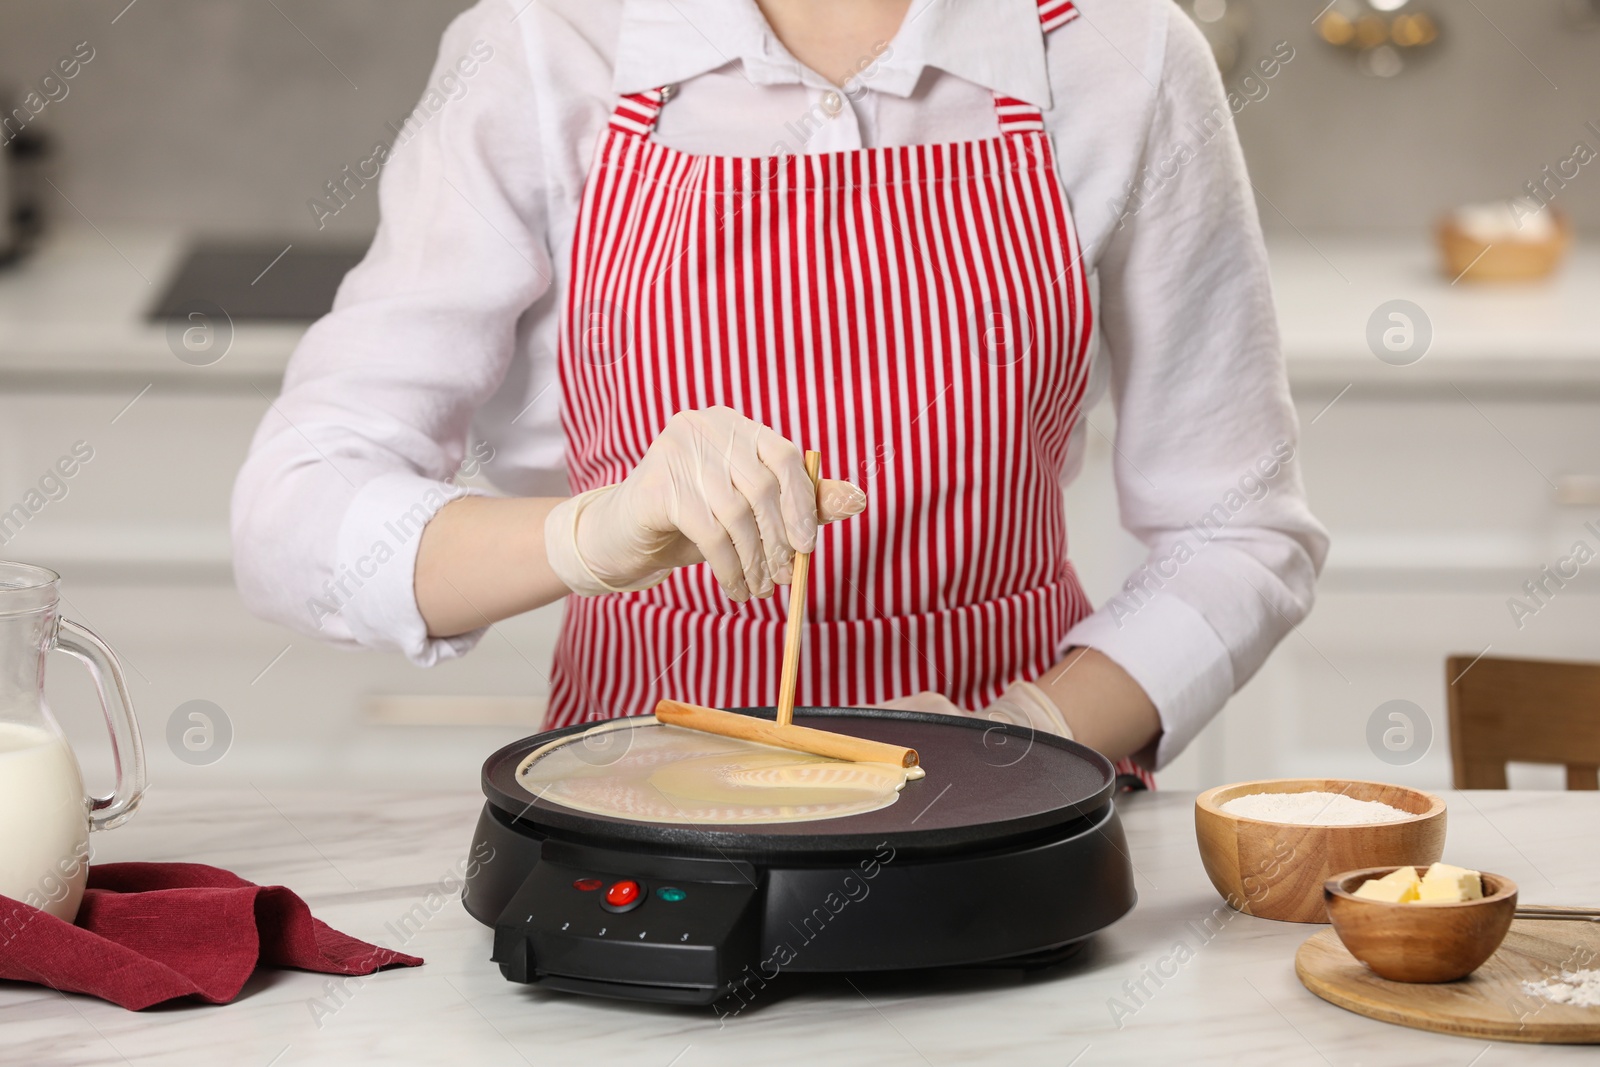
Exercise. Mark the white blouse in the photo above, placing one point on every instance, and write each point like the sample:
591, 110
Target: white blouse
441, 348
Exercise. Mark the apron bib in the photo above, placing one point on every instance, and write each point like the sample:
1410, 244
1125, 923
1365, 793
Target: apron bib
920, 315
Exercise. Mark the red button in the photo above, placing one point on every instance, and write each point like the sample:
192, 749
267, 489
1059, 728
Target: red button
588, 885
621, 894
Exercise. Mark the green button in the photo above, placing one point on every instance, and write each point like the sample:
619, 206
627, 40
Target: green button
671, 895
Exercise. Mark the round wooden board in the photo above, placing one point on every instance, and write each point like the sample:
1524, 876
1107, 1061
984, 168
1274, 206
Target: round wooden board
1488, 1003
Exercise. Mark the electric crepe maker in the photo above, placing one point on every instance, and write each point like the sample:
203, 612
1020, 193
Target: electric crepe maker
1009, 852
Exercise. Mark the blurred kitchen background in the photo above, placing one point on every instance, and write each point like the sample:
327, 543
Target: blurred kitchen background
1448, 481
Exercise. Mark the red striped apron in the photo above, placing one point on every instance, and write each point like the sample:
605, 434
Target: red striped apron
920, 315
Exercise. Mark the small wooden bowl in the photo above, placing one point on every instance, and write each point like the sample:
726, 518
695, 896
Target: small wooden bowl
1276, 870
1420, 942
1465, 258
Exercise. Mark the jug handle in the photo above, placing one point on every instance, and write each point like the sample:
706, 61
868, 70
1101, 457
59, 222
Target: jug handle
127, 749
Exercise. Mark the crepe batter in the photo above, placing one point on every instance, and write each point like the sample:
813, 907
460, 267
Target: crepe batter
650, 772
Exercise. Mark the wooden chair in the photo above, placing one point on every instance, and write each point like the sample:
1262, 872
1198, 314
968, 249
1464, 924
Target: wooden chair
1526, 711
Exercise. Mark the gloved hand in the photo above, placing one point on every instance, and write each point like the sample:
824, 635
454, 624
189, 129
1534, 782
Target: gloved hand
713, 487
1022, 704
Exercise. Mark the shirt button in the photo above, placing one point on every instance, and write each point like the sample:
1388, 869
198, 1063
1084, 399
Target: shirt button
832, 103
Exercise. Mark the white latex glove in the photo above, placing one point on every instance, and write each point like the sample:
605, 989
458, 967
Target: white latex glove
1022, 704
715, 487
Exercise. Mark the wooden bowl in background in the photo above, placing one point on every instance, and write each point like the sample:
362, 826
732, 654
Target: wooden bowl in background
1463, 257
1435, 942
1277, 870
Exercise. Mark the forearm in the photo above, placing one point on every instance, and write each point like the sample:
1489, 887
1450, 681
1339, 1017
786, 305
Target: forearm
1106, 708
481, 560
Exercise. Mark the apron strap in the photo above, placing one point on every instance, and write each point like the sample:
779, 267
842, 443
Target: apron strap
636, 113
1019, 116
1056, 13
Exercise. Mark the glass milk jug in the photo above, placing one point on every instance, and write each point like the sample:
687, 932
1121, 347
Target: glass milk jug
45, 818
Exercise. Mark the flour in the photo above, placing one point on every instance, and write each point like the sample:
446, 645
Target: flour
1313, 809
1581, 989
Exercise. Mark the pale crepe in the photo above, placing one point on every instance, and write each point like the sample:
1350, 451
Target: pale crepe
646, 771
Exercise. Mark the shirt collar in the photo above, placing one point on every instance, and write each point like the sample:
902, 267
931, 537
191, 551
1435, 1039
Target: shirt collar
997, 44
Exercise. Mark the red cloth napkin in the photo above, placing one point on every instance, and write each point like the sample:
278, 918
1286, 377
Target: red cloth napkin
149, 932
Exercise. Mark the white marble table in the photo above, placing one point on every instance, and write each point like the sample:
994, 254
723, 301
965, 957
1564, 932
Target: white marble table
363, 860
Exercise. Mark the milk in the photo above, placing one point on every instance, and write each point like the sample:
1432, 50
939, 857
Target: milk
44, 823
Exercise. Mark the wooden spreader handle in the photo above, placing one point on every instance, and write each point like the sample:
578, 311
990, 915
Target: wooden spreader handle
796, 623
796, 738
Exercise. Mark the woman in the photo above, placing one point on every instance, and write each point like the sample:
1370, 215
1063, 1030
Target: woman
660, 246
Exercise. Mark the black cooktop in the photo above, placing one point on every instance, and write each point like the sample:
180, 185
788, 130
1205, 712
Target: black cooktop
267, 281
1009, 853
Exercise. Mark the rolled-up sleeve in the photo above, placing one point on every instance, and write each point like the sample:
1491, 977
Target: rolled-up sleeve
1206, 432
361, 448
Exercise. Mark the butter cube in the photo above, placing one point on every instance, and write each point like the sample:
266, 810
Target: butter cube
1451, 885
1402, 876
1399, 886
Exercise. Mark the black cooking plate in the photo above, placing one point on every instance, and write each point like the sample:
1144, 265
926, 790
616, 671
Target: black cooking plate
986, 783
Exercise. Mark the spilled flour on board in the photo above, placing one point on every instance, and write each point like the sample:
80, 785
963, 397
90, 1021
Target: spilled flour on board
1581, 989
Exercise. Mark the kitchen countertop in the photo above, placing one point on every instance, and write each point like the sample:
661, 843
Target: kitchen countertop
1328, 290
363, 860
75, 313
77, 309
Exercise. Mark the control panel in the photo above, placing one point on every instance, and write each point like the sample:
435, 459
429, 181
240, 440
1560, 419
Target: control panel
641, 927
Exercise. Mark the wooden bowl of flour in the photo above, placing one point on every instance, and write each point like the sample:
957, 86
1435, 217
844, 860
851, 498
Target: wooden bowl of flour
1272, 861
